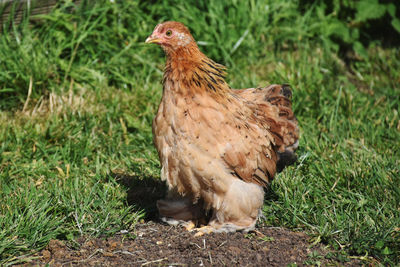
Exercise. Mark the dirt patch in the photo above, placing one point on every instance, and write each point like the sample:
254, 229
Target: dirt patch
155, 244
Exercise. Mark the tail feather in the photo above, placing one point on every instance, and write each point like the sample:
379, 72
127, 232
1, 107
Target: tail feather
280, 96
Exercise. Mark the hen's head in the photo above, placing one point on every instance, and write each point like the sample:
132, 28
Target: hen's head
171, 36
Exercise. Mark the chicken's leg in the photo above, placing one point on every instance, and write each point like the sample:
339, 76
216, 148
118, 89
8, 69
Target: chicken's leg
179, 210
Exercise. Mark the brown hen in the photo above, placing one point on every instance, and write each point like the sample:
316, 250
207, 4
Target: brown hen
218, 147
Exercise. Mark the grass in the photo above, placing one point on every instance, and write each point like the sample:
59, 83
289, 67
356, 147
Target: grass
95, 88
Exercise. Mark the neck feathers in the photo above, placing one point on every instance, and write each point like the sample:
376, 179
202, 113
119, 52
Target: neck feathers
188, 71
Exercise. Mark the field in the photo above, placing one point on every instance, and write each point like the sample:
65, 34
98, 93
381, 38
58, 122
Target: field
79, 89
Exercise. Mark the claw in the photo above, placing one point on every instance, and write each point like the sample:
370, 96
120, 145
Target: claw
189, 226
203, 230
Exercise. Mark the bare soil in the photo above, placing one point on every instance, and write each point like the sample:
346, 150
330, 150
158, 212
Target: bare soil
156, 244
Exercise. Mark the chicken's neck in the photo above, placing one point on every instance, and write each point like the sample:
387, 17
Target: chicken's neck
190, 72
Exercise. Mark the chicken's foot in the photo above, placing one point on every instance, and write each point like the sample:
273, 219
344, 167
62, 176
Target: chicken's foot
203, 230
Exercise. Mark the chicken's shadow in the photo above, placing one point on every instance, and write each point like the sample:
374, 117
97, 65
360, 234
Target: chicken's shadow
143, 193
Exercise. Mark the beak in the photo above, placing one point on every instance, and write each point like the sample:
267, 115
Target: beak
151, 40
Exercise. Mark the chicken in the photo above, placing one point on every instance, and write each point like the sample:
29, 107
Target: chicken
218, 147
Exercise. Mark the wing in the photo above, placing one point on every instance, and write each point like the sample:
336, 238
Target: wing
235, 135
283, 124
270, 136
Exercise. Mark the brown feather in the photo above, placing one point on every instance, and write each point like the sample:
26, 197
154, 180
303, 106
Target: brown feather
217, 144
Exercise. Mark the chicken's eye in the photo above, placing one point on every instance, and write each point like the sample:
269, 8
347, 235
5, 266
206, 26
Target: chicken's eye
168, 33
